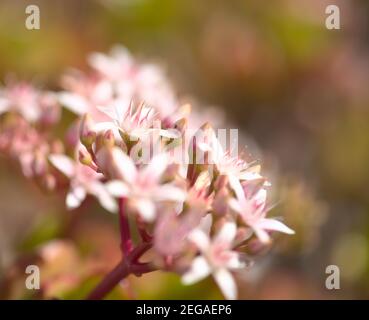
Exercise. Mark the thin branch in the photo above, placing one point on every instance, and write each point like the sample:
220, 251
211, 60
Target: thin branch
126, 241
110, 281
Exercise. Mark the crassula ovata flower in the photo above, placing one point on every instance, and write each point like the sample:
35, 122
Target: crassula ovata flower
130, 122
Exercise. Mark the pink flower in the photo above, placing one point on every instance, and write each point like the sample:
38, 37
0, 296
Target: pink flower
21, 98
85, 93
253, 212
134, 121
117, 66
142, 82
83, 181
215, 258
227, 164
142, 187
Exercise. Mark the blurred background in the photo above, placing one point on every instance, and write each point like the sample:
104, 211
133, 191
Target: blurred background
298, 91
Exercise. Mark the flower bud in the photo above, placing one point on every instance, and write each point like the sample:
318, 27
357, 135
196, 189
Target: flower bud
181, 125
109, 140
84, 157
87, 134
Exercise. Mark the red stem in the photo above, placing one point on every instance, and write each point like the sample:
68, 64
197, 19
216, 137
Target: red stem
128, 266
109, 282
125, 234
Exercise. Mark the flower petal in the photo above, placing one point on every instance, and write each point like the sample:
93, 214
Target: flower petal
237, 187
146, 209
261, 234
227, 233
105, 198
63, 163
200, 239
235, 205
226, 283
117, 188
198, 271
4, 105
205, 223
274, 225
75, 197
125, 165
170, 192
156, 167
75, 103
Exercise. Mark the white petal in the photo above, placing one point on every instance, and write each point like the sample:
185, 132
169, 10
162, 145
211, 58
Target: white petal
75, 197
106, 200
234, 262
156, 167
235, 205
262, 235
170, 192
200, 238
104, 126
226, 283
198, 271
63, 163
227, 233
4, 105
237, 187
117, 188
75, 103
125, 165
170, 133
116, 110
205, 223
274, 225
146, 209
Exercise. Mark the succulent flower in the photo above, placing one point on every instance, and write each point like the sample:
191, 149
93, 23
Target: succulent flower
194, 212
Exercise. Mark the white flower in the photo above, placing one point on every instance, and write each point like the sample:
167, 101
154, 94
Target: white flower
142, 188
137, 122
216, 258
83, 181
253, 212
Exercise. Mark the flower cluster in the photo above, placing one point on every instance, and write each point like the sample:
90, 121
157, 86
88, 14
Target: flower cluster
195, 204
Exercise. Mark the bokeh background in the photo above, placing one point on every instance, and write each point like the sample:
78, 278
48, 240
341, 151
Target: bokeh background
299, 92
